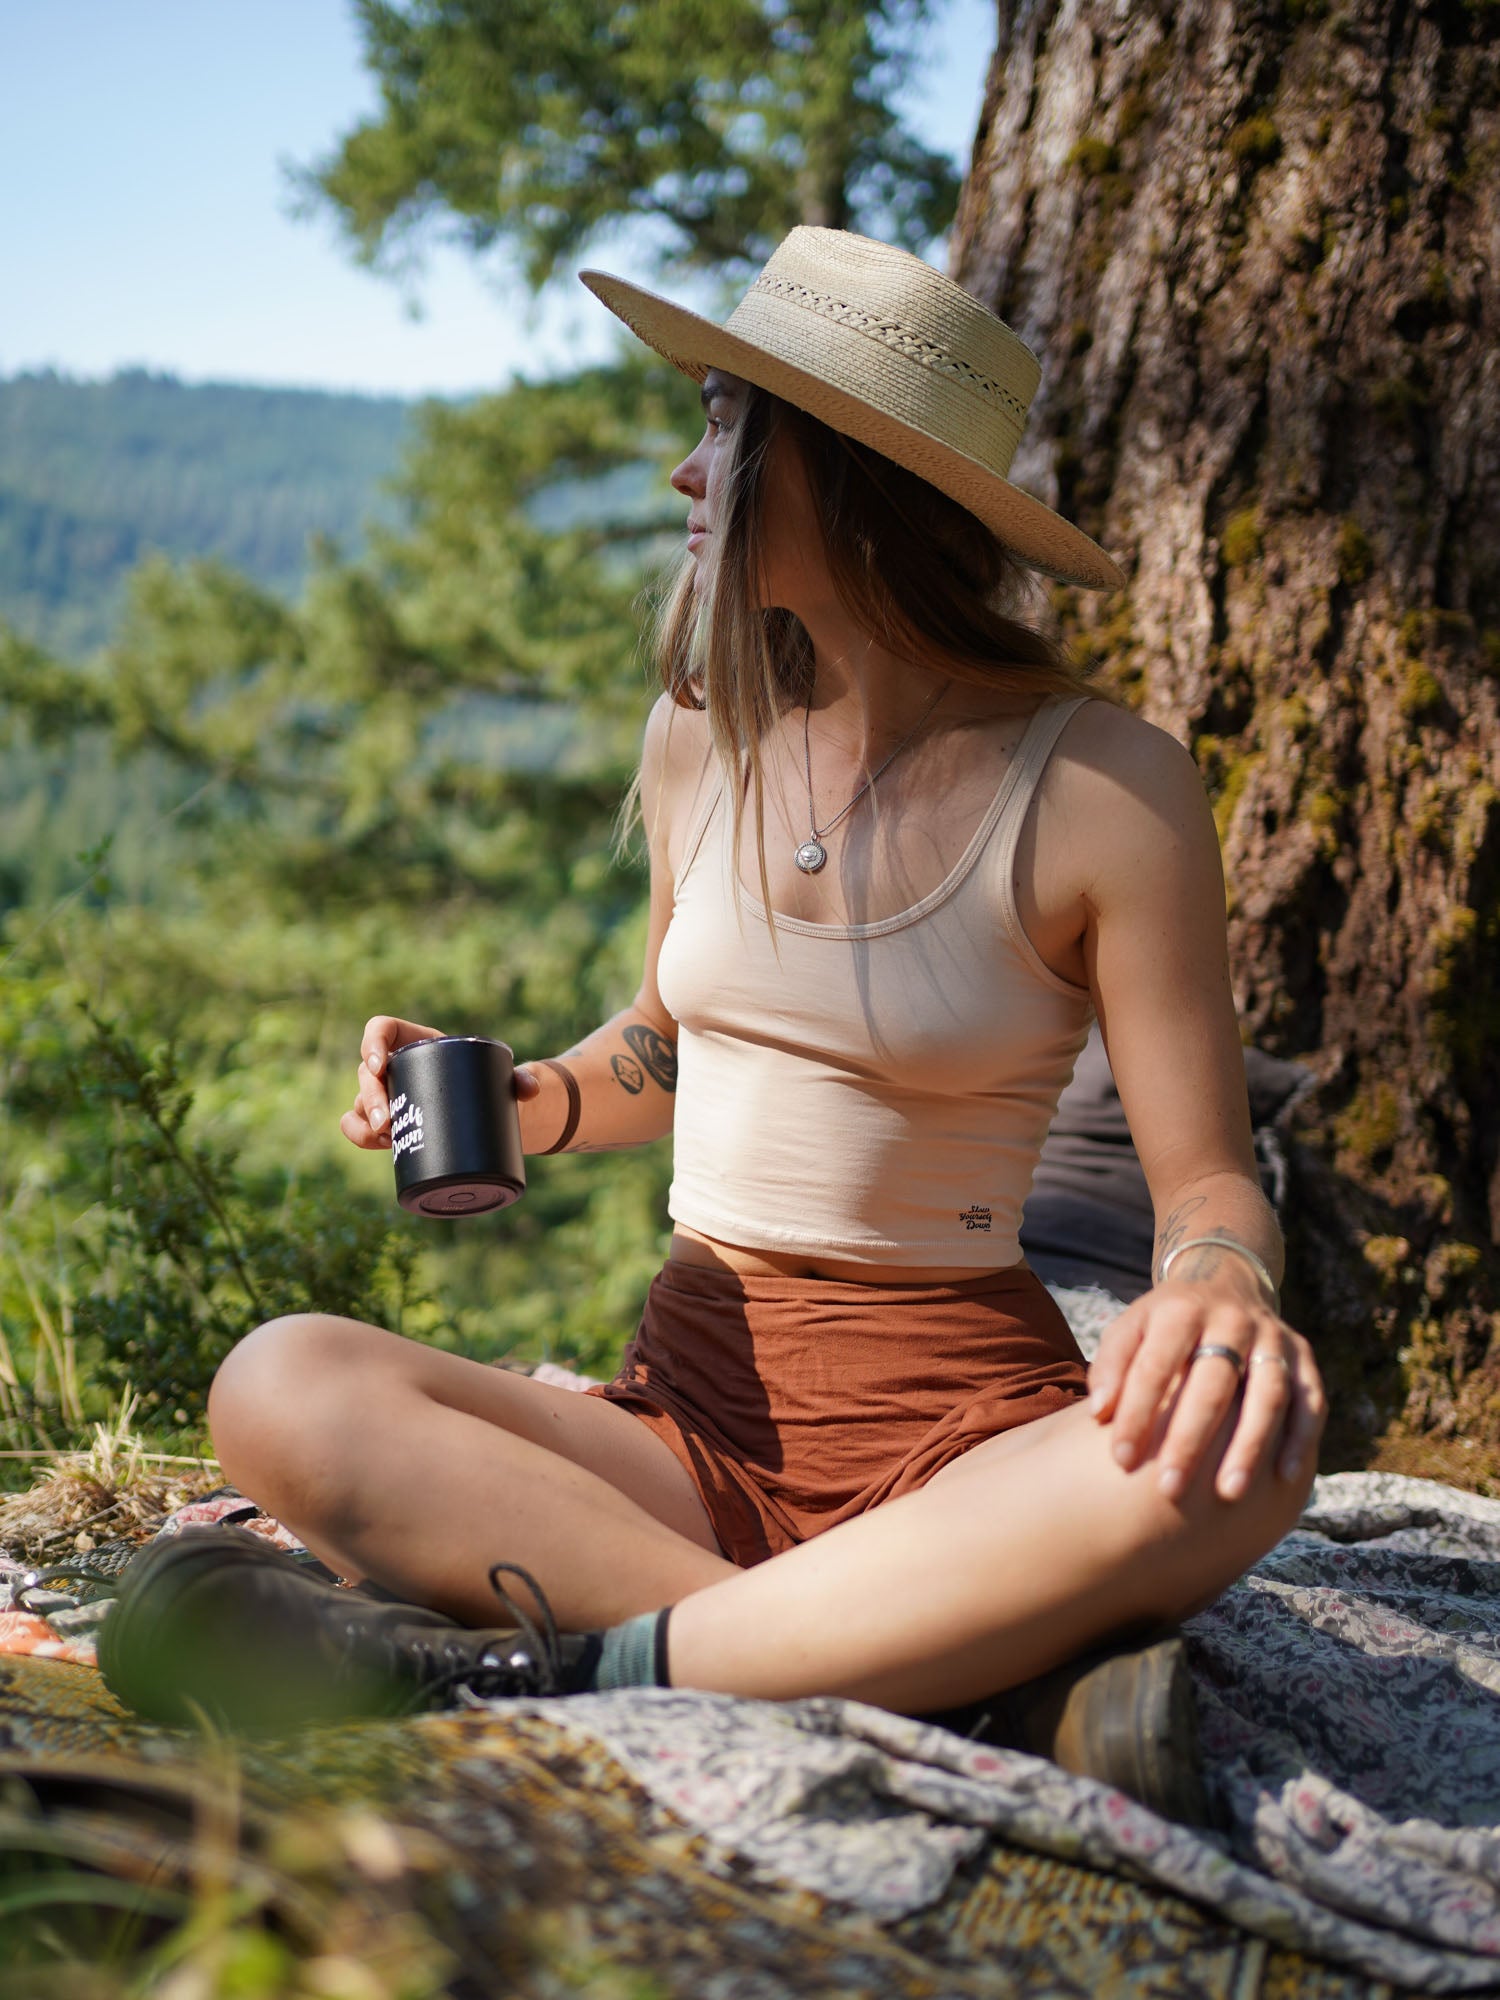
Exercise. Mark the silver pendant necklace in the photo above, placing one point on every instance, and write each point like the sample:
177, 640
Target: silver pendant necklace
812, 854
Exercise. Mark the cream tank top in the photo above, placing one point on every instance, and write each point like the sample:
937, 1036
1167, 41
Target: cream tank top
880, 1092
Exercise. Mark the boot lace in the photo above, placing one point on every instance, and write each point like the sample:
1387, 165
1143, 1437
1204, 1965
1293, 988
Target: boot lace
528, 1661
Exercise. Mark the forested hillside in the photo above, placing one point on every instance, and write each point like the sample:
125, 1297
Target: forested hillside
96, 475
253, 819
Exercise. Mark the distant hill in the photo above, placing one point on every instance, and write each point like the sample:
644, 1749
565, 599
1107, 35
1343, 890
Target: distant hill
95, 475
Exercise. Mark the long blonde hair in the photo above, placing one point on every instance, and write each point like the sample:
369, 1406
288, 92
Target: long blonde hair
918, 572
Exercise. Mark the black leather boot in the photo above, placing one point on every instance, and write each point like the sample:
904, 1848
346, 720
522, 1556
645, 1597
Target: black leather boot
215, 1619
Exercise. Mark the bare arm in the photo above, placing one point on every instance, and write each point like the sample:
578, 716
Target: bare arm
1157, 960
625, 1072
626, 1077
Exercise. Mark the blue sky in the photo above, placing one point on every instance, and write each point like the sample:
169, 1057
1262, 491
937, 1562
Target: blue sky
145, 215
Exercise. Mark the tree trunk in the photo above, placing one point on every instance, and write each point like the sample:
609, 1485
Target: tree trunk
1256, 246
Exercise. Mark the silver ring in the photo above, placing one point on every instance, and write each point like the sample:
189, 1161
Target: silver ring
1259, 1361
1212, 1347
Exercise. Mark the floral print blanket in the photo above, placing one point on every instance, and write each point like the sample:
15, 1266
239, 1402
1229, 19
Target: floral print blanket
1349, 1689
1349, 1694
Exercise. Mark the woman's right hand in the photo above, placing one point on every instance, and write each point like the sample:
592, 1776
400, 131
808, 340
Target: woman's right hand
368, 1123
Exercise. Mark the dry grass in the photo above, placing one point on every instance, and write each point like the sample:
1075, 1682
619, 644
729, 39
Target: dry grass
117, 1490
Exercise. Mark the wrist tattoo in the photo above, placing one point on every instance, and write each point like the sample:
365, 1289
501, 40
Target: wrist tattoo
1212, 1245
1174, 1229
656, 1055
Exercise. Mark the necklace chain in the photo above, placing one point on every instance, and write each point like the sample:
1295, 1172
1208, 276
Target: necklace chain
812, 854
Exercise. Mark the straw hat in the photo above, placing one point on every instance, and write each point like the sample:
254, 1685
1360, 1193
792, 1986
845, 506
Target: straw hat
882, 347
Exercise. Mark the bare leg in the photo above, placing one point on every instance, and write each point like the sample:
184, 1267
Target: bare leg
420, 1469
1018, 1556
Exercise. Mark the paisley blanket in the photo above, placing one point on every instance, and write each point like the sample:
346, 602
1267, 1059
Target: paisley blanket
1349, 1689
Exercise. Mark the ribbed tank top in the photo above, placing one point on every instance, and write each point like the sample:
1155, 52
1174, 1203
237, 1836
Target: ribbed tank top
880, 1092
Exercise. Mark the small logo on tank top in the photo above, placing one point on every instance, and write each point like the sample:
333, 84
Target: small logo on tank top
975, 1218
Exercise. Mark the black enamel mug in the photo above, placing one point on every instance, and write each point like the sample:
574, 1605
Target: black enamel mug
455, 1128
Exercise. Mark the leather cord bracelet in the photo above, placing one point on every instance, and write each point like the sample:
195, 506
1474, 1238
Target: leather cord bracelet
575, 1105
1214, 1242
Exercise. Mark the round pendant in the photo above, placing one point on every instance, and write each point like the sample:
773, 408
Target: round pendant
810, 856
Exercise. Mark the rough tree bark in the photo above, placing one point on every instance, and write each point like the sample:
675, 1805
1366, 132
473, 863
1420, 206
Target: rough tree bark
1256, 243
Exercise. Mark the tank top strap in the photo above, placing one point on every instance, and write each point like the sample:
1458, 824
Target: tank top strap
1035, 747
696, 831
1027, 766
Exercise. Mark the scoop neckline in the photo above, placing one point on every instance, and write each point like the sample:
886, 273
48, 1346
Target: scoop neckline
951, 883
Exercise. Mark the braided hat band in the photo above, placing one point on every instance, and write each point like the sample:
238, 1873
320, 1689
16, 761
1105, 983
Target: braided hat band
880, 346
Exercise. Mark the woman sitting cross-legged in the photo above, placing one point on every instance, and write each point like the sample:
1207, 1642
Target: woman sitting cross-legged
901, 854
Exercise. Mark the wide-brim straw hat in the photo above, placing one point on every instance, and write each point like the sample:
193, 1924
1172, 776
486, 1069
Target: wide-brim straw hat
880, 346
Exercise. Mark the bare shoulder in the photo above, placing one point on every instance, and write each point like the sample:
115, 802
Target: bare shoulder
676, 764
1111, 755
1121, 792
1115, 746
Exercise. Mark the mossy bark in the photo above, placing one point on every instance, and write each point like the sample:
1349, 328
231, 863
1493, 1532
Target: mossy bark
1257, 247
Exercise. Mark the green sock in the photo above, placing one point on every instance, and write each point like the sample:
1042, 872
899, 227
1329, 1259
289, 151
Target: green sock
634, 1654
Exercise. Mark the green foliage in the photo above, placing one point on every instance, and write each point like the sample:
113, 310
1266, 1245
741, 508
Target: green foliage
1255, 143
1389, 1257
251, 823
95, 475
1369, 1126
541, 123
193, 1255
1353, 553
334, 1900
1420, 692
1226, 777
175, 1253
1241, 543
1293, 716
1093, 157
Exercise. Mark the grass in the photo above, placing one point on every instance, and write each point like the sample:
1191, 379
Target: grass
117, 1489
175, 1894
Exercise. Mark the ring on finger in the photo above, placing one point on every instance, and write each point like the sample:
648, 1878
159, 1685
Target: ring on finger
1259, 1360
1216, 1349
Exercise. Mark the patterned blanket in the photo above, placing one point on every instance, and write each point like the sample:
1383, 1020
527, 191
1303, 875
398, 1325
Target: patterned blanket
1348, 1689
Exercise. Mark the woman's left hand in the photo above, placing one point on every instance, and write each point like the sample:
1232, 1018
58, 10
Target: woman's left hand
1146, 1376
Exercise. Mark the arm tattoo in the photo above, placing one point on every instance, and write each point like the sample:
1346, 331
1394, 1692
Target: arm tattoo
628, 1074
657, 1056
1175, 1228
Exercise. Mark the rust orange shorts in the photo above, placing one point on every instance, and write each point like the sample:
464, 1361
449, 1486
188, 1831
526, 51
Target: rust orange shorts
797, 1403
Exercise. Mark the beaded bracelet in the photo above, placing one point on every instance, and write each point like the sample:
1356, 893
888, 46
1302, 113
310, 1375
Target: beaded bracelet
570, 1084
1223, 1243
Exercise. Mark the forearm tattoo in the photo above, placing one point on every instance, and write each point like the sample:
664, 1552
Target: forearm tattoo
1174, 1229
628, 1074
655, 1056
